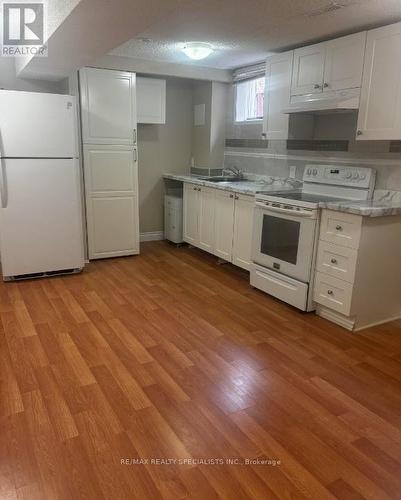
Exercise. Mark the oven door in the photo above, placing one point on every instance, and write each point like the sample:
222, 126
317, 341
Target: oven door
283, 240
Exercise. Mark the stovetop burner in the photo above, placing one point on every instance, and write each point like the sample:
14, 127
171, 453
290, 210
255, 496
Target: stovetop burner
300, 196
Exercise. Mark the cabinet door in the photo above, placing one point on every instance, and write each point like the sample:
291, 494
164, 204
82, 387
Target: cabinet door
277, 95
207, 201
224, 225
380, 105
191, 214
307, 74
243, 222
108, 103
111, 200
151, 100
344, 62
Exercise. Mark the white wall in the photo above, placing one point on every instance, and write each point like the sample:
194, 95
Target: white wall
9, 81
217, 126
162, 149
202, 94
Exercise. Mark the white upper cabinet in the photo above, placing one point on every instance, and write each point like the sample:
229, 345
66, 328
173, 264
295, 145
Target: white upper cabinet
308, 69
277, 95
108, 102
380, 105
344, 62
327, 66
151, 100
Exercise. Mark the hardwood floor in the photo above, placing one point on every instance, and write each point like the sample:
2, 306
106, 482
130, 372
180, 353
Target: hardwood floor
171, 356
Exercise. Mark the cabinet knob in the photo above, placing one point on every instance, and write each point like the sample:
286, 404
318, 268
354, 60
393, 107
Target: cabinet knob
231, 196
194, 188
359, 132
264, 135
334, 261
339, 228
316, 86
237, 198
325, 85
329, 292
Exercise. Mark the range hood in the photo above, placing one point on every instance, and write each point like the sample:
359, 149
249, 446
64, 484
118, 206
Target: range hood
324, 102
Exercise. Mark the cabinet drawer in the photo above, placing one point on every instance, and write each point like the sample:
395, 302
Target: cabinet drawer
291, 291
333, 293
341, 228
337, 261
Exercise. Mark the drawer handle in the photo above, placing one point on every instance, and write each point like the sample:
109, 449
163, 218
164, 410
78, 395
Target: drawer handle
329, 292
334, 261
339, 228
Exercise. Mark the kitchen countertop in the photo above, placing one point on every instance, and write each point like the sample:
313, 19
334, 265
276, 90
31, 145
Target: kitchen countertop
250, 186
385, 203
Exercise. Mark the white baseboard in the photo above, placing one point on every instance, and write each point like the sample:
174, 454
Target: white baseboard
377, 323
152, 236
334, 317
349, 323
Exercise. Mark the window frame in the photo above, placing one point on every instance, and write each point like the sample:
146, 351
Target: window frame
252, 120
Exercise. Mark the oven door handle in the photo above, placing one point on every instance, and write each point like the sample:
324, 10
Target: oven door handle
295, 213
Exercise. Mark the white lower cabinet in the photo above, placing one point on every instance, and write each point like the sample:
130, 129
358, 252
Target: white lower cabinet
224, 223
191, 214
358, 278
207, 203
111, 192
333, 293
219, 222
243, 221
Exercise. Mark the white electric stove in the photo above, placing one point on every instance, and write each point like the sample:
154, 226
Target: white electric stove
286, 224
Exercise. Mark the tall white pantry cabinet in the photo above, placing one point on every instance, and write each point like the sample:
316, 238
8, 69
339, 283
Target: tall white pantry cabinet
109, 134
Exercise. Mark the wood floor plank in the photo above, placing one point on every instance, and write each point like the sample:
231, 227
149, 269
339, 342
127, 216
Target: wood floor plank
166, 376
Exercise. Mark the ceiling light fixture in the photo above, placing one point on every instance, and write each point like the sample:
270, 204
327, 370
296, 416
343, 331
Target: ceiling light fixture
197, 50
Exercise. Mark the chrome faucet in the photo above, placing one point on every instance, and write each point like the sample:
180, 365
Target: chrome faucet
237, 172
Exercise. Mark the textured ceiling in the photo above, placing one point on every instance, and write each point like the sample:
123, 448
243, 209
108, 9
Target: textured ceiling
245, 31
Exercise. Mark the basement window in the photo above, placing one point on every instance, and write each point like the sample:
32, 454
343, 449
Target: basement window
249, 100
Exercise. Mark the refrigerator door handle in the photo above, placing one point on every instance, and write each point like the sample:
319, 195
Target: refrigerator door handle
3, 182
3, 187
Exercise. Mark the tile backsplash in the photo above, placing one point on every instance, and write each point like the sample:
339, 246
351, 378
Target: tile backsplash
278, 165
317, 145
332, 141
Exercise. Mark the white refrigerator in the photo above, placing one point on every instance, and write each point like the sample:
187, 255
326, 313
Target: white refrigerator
41, 229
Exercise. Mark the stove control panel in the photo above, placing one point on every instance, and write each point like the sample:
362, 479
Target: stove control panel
361, 177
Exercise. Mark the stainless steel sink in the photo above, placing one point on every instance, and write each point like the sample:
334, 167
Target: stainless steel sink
225, 179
